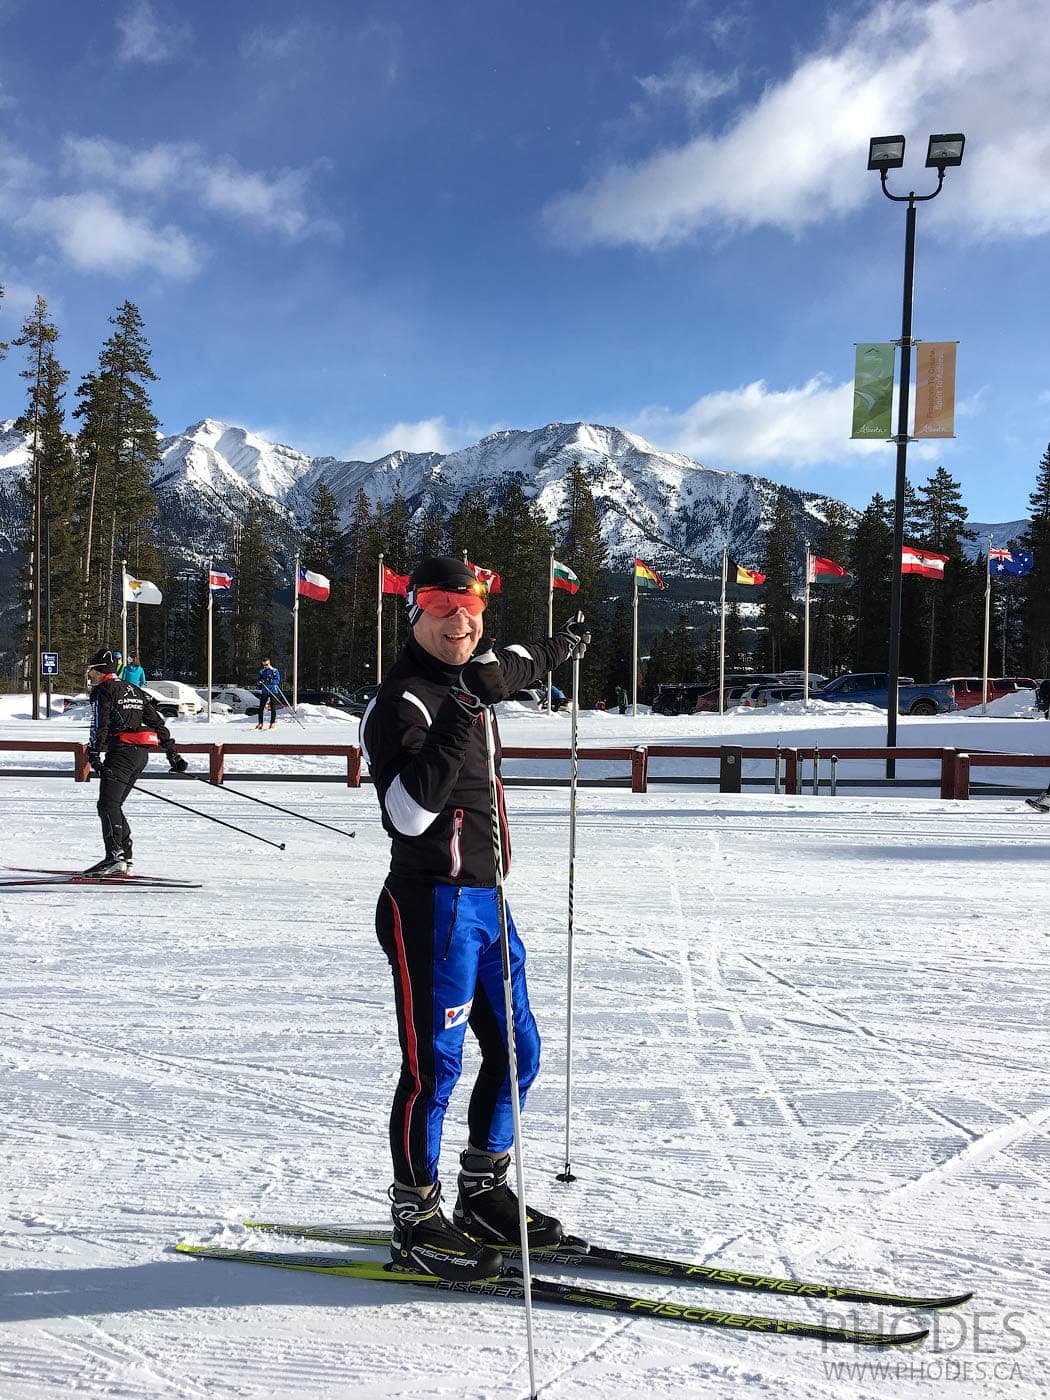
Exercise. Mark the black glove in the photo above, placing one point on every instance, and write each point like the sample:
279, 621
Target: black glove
481, 682
576, 633
96, 763
177, 762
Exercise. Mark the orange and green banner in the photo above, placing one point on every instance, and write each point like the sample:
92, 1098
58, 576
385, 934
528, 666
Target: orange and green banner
873, 390
935, 389
646, 577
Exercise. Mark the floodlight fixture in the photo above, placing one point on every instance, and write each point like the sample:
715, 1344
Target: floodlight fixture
945, 150
886, 152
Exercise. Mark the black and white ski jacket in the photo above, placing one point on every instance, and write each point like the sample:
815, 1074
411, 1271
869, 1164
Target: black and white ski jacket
427, 760
121, 713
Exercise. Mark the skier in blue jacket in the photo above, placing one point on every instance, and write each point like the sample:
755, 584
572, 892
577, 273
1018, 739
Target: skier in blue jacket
269, 683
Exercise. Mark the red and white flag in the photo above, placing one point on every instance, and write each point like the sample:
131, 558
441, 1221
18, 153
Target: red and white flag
218, 579
488, 577
394, 583
923, 562
820, 568
311, 585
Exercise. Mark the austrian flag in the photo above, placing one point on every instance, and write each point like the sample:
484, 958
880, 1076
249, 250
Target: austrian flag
313, 585
923, 562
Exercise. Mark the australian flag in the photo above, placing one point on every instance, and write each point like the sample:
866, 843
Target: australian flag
1010, 563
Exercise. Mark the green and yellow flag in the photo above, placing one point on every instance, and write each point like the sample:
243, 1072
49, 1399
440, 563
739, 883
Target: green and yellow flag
646, 577
873, 391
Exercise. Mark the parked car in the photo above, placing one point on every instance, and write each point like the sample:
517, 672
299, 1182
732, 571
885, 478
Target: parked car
334, 699
969, 690
757, 697
237, 699
707, 703
873, 688
1010, 684
184, 696
678, 699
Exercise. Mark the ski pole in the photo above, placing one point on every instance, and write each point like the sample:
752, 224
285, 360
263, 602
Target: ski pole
208, 818
566, 1174
512, 1053
236, 792
291, 707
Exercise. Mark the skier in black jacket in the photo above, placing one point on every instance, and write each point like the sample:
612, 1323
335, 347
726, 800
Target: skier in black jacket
437, 919
125, 726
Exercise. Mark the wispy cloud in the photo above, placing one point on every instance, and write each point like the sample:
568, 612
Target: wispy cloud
753, 427
145, 38
96, 235
277, 202
794, 156
687, 83
277, 45
423, 435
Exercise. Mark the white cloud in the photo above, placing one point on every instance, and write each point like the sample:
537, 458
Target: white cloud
277, 45
754, 427
687, 83
795, 156
424, 435
94, 234
276, 202
145, 38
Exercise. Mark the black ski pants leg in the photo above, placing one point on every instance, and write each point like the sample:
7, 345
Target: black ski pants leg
270, 700
120, 772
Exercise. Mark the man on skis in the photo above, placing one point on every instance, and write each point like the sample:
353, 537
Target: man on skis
437, 919
125, 727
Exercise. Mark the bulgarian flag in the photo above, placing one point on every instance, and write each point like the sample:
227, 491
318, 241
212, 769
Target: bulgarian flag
311, 585
825, 570
563, 577
394, 583
646, 577
923, 562
738, 574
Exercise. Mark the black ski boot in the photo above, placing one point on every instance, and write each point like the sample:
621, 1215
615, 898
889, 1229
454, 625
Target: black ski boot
423, 1239
487, 1209
1040, 803
108, 868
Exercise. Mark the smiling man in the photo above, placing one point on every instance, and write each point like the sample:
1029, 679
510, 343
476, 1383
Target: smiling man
437, 919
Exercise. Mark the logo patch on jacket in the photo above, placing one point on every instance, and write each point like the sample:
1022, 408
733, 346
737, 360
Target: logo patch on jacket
457, 1015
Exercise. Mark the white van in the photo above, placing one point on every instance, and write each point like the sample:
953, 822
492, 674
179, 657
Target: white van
187, 699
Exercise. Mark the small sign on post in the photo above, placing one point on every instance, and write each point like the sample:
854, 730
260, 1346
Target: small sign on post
49, 663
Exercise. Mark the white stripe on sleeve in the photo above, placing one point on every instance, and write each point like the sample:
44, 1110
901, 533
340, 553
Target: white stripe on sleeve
405, 813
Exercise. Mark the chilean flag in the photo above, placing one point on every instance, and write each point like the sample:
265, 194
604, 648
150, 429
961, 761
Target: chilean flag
313, 585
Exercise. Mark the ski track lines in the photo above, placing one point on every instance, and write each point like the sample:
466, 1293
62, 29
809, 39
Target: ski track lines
808, 1038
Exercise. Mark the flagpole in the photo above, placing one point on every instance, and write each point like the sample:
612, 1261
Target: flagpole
550, 631
211, 596
805, 644
295, 638
987, 625
379, 623
722, 634
123, 610
634, 648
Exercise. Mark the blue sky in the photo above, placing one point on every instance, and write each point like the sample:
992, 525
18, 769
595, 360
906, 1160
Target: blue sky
354, 227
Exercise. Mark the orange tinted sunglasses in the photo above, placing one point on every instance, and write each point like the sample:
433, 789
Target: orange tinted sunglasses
443, 602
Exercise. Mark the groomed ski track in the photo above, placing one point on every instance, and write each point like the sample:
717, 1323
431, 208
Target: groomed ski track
810, 1039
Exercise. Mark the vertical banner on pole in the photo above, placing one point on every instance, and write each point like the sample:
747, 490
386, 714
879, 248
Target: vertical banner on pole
873, 390
935, 389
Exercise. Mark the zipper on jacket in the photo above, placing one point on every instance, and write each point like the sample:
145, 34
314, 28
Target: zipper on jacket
455, 845
452, 925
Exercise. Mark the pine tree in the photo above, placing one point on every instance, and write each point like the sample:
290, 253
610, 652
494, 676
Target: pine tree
320, 623
871, 567
119, 445
950, 632
359, 645
777, 602
1037, 584
582, 547
685, 657
831, 619
736, 656
618, 663
519, 547
254, 580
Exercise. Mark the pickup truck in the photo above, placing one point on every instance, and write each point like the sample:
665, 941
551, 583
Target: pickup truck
872, 688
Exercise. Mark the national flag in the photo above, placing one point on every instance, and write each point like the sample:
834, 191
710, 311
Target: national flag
313, 585
738, 574
825, 570
1010, 563
646, 577
218, 580
488, 577
565, 578
140, 590
394, 583
923, 562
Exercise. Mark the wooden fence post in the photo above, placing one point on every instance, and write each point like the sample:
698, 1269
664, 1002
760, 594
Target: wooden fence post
216, 765
353, 768
791, 771
81, 766
948, 757
962, 777
640, 769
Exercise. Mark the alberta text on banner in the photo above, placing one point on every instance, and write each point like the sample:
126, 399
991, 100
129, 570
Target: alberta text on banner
873, 390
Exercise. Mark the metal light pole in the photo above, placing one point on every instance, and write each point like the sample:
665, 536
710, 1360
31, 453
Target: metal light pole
887, 153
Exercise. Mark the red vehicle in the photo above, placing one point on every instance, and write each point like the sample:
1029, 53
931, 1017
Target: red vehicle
969, 690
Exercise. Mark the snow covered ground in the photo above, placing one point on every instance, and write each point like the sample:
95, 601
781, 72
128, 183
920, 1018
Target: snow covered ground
810, 1038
